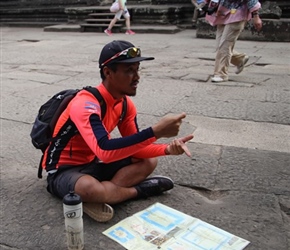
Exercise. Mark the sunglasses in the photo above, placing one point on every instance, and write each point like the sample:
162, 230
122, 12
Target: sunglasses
129, 53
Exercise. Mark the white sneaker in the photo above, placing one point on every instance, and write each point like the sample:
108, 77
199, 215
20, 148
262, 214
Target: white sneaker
241, 67
218, 79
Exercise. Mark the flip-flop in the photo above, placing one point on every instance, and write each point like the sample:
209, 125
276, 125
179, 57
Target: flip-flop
100, 212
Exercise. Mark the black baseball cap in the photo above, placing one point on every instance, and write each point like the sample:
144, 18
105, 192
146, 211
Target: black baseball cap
116, 46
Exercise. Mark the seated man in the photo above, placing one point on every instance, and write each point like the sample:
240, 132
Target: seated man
105, 170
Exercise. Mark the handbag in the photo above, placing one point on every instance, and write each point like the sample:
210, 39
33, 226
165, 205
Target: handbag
115, 7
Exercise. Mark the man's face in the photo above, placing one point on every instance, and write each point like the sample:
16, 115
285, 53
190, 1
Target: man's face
124, 81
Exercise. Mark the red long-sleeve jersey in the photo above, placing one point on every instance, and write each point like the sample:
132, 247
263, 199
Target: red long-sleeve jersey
94, 139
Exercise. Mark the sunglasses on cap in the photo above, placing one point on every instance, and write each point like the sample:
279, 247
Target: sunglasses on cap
129, 53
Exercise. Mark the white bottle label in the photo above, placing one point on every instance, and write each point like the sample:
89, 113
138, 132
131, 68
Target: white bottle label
73, 212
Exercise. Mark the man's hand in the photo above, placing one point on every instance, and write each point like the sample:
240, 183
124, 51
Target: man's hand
168, 126
257, 22
178, 147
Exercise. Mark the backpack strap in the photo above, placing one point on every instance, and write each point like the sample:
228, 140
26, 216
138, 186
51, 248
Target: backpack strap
39, 173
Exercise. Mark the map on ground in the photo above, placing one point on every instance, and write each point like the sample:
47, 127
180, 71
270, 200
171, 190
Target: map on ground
162, 227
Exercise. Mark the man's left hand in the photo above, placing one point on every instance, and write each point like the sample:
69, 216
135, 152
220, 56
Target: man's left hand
178, 146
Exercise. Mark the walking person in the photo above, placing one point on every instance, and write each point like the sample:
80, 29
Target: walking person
119, 7
230, 17
105, 170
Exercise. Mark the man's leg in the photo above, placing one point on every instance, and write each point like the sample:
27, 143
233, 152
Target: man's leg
119, 188
219, 56
99, 183
91, 190
226, 38
133, 174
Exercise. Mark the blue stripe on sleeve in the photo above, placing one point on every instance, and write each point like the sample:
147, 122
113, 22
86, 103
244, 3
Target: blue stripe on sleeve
105, 144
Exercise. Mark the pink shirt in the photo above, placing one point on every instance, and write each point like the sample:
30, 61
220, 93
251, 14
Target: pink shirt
233, 11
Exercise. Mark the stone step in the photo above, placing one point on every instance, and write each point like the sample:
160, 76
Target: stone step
55, 19
106, 14
103, 20
141, 29
29, 24
158, 29
90, 27
39, 3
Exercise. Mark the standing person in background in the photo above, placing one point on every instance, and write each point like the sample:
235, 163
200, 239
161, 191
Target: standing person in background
119, 7
198, 5
230, 17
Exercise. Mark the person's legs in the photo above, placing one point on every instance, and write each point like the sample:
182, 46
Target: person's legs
90, 176
218, 77
239, 59
219, 33
92, 190
99, 183
119, 188
195, 16
133, 174
226, 38
197, 9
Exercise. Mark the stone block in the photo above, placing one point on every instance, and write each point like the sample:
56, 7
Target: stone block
270, 10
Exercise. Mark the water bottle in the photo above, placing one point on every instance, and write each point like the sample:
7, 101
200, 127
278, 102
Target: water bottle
73, 214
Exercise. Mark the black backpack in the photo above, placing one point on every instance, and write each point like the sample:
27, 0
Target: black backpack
50, 111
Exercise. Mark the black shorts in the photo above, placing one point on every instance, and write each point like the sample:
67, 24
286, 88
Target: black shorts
63, 181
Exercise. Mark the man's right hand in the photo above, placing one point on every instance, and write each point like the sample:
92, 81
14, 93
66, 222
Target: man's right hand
257, 22
168, 126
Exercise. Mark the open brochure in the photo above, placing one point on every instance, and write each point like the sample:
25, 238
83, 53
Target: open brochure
162, 227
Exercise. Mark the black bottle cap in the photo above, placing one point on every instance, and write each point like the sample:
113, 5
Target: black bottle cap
72, 199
